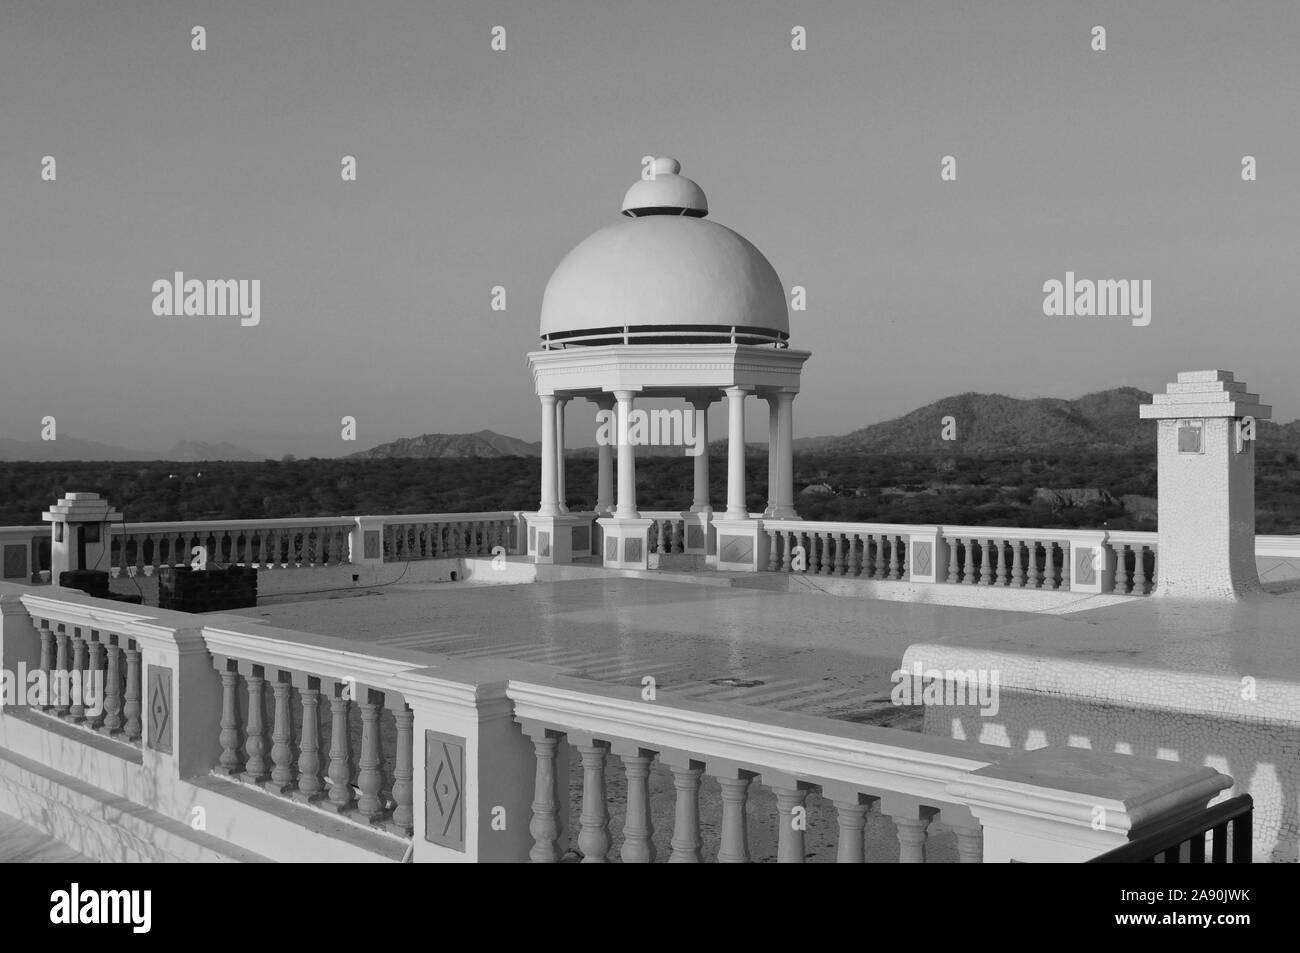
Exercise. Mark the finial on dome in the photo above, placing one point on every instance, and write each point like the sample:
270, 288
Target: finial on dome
663, 190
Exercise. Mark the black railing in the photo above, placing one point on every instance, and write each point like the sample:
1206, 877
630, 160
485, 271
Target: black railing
1167, 844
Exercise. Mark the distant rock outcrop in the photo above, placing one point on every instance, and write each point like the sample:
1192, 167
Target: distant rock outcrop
1082, 496
441, 446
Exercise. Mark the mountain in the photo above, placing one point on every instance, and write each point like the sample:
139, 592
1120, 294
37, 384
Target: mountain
1104, 422
191, 450
441, 446
67, 448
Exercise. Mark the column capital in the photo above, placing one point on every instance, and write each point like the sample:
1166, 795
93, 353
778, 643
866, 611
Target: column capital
623, 393
738, 390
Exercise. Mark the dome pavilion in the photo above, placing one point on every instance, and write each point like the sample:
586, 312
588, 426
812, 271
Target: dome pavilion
664, 303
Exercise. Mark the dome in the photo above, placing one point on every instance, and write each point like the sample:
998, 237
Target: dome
664, 275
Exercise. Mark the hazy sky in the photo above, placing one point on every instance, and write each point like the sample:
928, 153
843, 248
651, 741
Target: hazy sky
480, 168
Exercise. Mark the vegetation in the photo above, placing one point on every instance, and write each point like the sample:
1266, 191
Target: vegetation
900, 488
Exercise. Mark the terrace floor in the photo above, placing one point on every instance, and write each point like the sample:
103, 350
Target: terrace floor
810, 653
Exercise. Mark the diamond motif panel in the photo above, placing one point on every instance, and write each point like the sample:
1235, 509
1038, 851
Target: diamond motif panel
160, 708
921, 559
1084, 574
632, 550
370, 544
735, 549
695, 537
444, 769
543, 544
611, 549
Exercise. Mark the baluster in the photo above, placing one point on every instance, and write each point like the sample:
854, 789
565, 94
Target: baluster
1065, 565
1049, 565
131, 709
139, 555
95, 672
1121, 569
593, 839
1017, 567
898, 558
339, 772
270, 549
774, 550
436, 548
881, 572
60, 681
230, 762
733, 847
1139, 571
77, 677
310, 784
403, 821
986, 562
660, 526
912, 833
969, 575
370, 777
1000, 561
255, 732
792, 540
851, 817
790, 821
970, 844
842, 542
638, 829
855, 555
686, 821
1032, 580
48, 665
281, 735
545, 825
953, 573
112, 723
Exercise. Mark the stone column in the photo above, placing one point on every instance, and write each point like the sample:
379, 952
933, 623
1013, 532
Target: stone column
783, 495
560, 404
736, 508
773, 452
605, 464
700, 407
626, 508
550, 503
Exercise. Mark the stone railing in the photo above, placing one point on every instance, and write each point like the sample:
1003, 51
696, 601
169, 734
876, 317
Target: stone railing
24, 552
865, 550
1133, 558
667, 531
440, 535
141, 548
1073, 560
475, 746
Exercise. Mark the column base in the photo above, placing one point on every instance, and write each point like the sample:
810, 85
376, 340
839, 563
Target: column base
558, 539
626, 542
741, 544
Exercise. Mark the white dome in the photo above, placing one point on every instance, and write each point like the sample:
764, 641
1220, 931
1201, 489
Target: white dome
667, 275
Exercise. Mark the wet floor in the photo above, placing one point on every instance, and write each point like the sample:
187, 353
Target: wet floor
813, 654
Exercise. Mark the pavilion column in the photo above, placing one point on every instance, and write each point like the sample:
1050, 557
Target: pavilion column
783, 495
605, 464
736, 508
560, 404
773, 453
626, 508
700, 406
550, 504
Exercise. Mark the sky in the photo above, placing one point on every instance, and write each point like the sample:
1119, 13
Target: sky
478, 168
